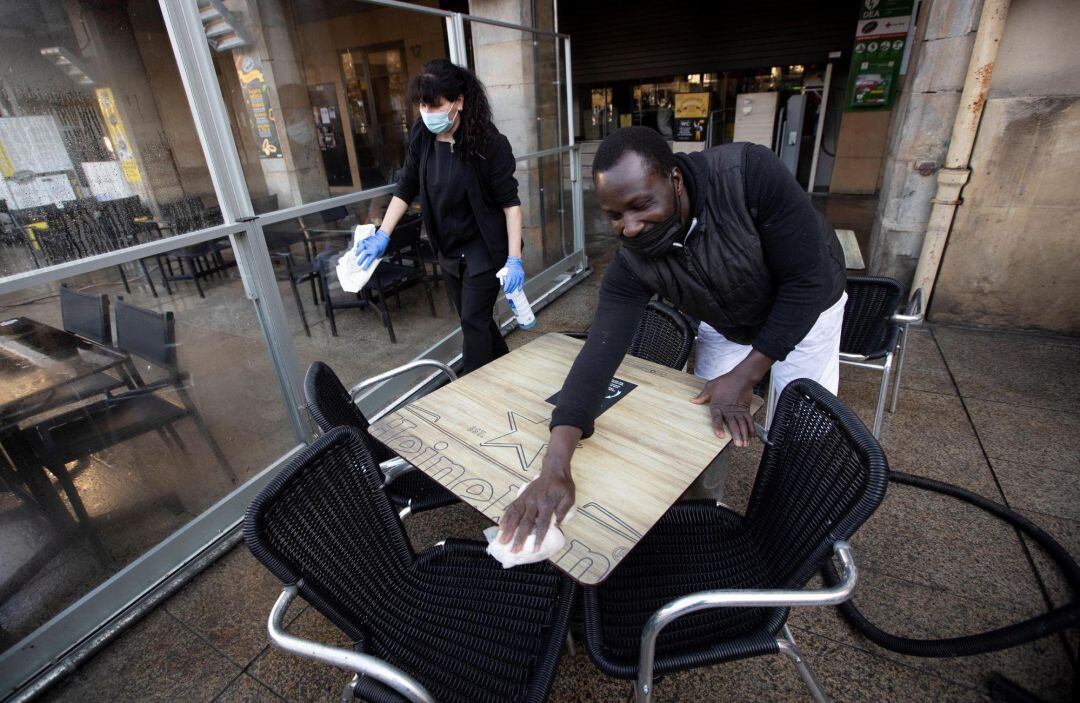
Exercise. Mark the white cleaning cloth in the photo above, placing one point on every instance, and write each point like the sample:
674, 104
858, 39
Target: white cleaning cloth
554, 541
349, 273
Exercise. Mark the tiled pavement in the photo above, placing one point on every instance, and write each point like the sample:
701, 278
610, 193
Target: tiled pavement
992, 411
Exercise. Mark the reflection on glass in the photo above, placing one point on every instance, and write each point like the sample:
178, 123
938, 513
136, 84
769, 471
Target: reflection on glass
315, 94
98, 150
123, 415
389, 321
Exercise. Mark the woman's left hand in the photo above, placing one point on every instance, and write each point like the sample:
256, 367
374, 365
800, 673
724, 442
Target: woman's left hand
515, 275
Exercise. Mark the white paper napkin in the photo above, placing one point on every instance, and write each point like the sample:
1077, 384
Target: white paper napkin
554, 541
349, 273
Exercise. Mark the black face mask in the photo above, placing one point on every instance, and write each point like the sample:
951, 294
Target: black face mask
657, 240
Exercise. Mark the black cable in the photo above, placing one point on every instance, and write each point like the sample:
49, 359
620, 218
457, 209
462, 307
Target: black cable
1054, 621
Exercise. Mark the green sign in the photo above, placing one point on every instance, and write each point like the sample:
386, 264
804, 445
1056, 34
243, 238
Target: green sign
880, 37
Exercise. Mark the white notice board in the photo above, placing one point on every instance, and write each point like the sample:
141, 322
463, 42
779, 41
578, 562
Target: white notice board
755, 118
33, 144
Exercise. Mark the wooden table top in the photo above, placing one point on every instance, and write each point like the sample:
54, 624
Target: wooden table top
484, 436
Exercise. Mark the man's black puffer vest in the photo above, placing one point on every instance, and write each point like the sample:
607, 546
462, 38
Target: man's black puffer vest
720, 275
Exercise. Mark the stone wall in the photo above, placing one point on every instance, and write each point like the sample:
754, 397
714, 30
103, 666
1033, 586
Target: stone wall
1012, 255
919, 136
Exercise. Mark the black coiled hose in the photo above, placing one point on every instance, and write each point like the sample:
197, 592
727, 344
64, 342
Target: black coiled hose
1040, 626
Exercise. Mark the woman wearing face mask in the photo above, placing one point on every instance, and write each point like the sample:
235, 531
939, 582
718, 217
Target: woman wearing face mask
463, 170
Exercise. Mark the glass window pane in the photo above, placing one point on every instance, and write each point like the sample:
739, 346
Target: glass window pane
117, 432
98, 150
522, 73
315, 92
359, 334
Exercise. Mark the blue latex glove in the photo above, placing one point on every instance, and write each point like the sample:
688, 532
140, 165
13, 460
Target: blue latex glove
515, 275
367, 250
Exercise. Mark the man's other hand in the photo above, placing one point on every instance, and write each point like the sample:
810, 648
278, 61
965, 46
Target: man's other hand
729, 398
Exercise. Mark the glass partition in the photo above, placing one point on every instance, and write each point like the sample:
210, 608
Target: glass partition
126, 410
315, 93
98, 149
391, 321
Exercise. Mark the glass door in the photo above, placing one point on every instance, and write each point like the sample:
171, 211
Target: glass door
375, 83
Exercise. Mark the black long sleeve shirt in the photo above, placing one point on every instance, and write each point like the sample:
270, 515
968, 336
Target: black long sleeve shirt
786, 223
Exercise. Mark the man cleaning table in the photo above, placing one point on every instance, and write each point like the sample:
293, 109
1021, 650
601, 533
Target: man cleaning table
729, 237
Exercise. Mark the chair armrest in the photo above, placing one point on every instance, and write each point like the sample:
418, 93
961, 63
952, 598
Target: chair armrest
392, 468
739, 598
417, 364
913, 314
383, 672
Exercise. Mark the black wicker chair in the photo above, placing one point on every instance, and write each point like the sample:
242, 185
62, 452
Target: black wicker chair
822, 474
448, 624
873, 331
664, 336
332, 406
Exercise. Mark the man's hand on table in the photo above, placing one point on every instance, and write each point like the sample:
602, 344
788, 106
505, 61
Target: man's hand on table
552, 493
729, 397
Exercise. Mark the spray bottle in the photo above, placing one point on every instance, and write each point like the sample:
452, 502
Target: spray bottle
519, 304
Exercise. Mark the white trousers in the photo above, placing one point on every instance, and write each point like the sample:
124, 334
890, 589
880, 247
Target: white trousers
816, 357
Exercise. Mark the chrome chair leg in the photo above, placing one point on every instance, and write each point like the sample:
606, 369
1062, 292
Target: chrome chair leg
899, 367
791, 650
349, 694
883, 392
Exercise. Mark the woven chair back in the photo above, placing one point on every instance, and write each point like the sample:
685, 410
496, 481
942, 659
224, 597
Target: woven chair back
325, 519
822, 474
664, 336
872, 300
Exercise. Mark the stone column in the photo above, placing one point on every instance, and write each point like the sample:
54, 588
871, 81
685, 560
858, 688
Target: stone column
520, 80
300, 176
918, 138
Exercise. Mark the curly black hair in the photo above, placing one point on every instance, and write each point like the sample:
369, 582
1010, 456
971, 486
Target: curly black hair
440, 78
647, 143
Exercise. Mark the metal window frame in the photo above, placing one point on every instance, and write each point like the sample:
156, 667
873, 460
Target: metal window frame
55, 649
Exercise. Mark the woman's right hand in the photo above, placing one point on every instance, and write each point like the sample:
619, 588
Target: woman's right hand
371, 248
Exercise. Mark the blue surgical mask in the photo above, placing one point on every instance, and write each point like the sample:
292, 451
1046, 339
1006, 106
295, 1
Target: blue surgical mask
438, 122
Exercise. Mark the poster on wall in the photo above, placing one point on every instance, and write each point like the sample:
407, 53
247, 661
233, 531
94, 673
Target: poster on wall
880, 39
257, 99
691, 116
118, 137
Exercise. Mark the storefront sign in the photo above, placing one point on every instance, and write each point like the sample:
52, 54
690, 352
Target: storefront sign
880, 36
257, 99
118, 136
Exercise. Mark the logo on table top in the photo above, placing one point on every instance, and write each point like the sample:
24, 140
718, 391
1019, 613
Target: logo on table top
526, 436
617, 390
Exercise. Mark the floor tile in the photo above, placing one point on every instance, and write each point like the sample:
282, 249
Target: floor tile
939, 541
1067, 534
158, 660
924, 368
1041, 489
1027, 435
247, 690
301, 680
228, 605
918, 611
1013, 367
